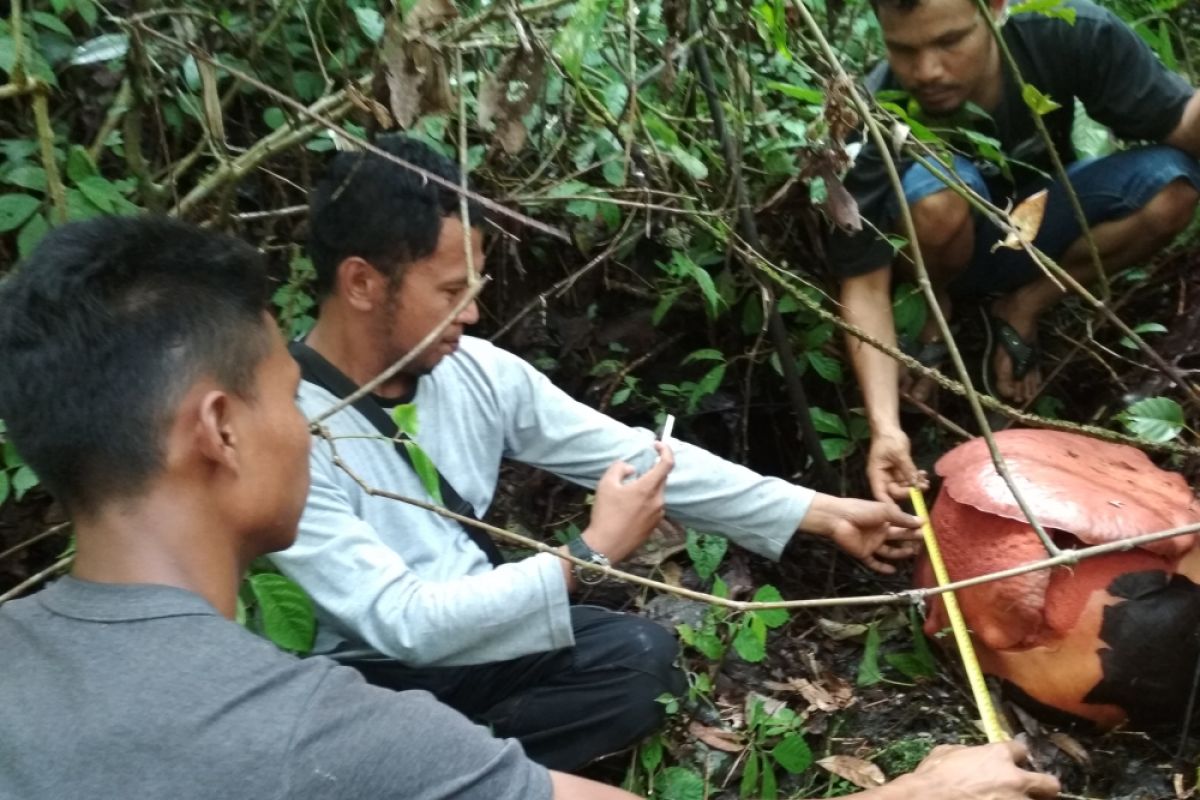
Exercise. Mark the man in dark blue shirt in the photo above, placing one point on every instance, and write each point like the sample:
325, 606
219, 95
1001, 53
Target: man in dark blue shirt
942, 54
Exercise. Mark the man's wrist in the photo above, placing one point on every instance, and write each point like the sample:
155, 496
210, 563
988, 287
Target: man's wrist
820, 516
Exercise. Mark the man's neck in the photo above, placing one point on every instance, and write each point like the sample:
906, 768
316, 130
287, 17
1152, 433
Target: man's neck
991, 91
347, 346
161, 539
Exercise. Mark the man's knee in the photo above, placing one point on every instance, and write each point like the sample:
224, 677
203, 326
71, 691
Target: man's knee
941, 219
1171, 210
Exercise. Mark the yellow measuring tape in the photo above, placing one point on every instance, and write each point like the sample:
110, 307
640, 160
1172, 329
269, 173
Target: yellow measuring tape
983, 700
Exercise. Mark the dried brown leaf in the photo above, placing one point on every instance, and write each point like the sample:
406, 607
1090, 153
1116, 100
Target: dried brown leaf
1027, 219
214, 115
725, 741
861, 773
371, 106
1071, 746
429, 15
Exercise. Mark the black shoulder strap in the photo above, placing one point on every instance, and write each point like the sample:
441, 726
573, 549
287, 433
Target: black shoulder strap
315, 369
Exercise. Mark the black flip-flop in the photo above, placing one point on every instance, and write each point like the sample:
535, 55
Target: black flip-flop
1024, 354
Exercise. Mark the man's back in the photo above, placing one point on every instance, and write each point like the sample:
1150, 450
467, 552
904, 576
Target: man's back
144, 691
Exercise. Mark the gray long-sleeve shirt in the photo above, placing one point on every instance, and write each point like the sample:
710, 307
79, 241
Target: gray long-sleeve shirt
391, 578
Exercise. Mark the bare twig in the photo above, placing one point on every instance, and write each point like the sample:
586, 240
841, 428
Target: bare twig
16, 548
468, 297
34, 580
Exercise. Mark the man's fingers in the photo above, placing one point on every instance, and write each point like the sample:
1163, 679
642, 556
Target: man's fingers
1042, 786
666, 462
902, 519
617, 472
878, 566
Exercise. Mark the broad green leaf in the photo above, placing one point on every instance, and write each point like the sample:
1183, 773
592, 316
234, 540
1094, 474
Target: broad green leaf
426, 471
31, 233
274, 117
827, 367
651, 753
27, 176
1040, 104
751, 639
836, 448
868, 668
770, 789
581, 35
772, 617
286, 612
4, 486
371, 23
706, 552
793, 754
80, 165
679, 783
51, 23
101, 193
909, 310
709, 383
614, 172
910, 665
682, 264
804, 94
15, 209
749, 782
23, 480
828, 422
1145, 327
1155, 419
405, 417
707, 354
105, 47
691, 164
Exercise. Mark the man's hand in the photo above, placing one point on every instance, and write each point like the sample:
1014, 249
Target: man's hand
890, 468
626, 512
989, 772
864, 529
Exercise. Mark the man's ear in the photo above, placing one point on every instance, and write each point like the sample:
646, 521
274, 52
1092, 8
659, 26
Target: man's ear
215, 434
999, 8
360, 283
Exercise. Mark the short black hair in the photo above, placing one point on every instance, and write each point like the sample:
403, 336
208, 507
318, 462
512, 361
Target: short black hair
103, 328
386, 214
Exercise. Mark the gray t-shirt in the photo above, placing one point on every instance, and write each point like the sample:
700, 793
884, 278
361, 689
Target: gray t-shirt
1098, 60
139, 691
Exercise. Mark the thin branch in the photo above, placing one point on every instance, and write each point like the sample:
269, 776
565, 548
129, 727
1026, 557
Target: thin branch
54, 184
34, 580
16, 548
468, 297
325, 122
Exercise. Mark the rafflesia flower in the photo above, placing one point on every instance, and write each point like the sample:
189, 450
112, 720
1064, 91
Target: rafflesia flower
1114, 637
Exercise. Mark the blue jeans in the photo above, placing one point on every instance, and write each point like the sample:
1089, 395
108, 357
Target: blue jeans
1109, 188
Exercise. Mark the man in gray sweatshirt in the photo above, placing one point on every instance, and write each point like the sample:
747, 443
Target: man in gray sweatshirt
411, 598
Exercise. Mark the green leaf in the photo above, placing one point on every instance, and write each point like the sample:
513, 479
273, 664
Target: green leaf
793, 754
1155, 419
274, 117
706, 552
827, 367
828, 422
909, 310
804, 94
910, 665
79, 164
707, 354
23, 480
690, 163
772, 617
651, 753
1145, 327
1039, 103
31, 234
371, 22
405, 417
105, 47
101, 193
770, 789
581, 34
683, 265
750, 775
678, 783
286, 612
868, 669
27, 176
614, 172
836, 448
426, 471
15, 209
1048, 8
751, 639
51, 23
4, 486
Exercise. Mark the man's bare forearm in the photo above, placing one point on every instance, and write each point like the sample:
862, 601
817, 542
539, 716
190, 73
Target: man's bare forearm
866, 303
1186, 135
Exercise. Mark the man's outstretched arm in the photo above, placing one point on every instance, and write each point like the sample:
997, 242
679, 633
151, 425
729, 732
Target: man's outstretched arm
866, 304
